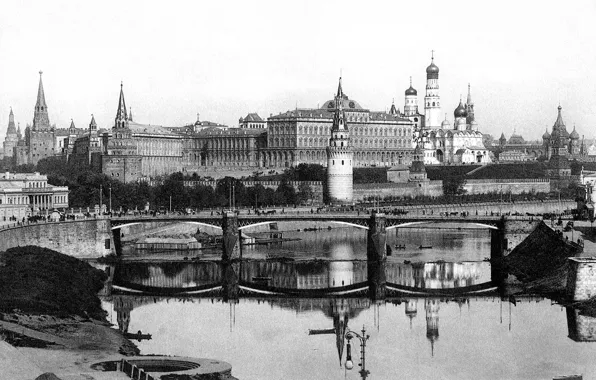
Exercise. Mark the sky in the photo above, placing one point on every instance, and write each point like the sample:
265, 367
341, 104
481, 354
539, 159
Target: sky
224, 59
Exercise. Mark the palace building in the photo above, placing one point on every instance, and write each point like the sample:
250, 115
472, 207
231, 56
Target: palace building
26, 194
302, 135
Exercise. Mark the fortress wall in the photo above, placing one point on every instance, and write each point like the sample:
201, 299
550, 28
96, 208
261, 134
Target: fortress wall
80, 238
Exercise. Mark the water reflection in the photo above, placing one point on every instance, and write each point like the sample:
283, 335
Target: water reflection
263, 329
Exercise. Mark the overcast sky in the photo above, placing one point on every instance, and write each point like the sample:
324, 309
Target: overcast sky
227, 58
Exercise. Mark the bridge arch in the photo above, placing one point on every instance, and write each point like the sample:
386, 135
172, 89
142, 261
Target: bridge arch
407, 224
120, 226
306, 220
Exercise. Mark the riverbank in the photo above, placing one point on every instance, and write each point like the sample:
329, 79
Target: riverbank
51, 315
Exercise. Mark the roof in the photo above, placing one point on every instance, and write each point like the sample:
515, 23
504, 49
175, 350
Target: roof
252, 117
149, 129
398, 167
211, 131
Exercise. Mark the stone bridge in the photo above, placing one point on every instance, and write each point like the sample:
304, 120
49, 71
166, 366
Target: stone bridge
506, 231
94, 237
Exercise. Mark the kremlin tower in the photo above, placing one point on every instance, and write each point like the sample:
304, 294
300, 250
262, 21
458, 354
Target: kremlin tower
339, 156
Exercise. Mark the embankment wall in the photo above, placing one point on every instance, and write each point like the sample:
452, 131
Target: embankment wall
89, 238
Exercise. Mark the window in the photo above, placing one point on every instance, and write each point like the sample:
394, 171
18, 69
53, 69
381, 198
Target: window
333, 162
342, 162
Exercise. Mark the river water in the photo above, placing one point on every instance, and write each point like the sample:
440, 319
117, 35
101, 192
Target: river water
414, 337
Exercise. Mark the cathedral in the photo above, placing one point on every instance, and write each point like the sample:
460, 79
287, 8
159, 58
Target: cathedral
559, 140
443, 142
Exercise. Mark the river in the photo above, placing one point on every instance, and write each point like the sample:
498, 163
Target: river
411, 336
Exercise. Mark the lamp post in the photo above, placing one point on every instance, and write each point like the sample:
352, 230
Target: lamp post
100, 191
110, 199
363, 338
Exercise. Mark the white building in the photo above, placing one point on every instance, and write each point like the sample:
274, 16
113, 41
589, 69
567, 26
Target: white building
26, 194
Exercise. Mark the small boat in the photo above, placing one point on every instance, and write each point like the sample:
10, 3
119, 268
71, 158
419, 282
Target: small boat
425, 247
138, 336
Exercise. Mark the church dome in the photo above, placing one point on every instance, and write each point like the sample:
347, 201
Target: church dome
574, 135
445, 124
460, 111
432, 68
411, 91
546, 135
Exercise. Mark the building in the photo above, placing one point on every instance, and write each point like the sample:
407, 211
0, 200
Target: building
302, 136
517, 149
443, 142
562, 142
26, 194
252, 121
340, 176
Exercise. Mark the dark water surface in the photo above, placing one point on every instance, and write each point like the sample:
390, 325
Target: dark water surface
479, 337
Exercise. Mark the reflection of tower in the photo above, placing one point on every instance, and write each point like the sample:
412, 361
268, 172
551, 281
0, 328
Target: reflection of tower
341, 273
431, 306
341, 310
411, 309
123, 307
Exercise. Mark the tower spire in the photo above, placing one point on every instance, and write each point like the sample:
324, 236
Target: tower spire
121, 115
340, 92
41, 120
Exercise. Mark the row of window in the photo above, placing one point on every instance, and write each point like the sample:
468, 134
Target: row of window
356, 130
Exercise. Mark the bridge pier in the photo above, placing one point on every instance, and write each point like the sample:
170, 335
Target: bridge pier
230, 243
376, 255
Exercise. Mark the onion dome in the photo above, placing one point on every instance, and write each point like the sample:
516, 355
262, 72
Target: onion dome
460, 111
546, 135
411, 90
574, 135
432, 71
445, 124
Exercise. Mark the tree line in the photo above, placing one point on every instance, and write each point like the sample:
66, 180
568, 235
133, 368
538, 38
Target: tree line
169, 191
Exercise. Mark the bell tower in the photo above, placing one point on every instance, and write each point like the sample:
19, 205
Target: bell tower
432, 105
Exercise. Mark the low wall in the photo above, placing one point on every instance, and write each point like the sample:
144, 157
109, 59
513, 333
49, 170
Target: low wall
364, 191
505, 186
89, 238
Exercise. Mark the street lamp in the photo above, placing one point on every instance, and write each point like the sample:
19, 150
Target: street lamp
110, 199
349, 363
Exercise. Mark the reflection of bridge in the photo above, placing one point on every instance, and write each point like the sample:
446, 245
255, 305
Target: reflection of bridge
505, 231
314, 279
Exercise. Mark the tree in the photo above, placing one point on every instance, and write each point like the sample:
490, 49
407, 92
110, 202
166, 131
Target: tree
304, 194
454, 185
285, 193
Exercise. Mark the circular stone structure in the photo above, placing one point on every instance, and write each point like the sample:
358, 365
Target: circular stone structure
167, 367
